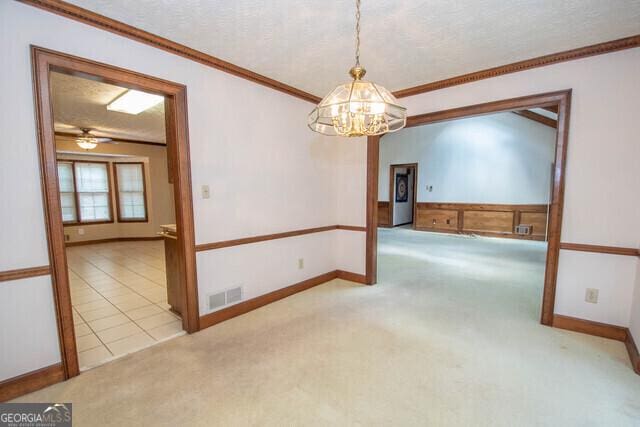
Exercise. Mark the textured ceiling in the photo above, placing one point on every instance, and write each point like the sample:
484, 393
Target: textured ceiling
309, 44
82, 103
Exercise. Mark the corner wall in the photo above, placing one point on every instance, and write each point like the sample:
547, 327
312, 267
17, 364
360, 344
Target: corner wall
267, 174
499, 158
602, 201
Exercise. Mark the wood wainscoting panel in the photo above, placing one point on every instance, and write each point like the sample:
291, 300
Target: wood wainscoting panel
493, 220
383, 214
538, 221
436, 219
488, 221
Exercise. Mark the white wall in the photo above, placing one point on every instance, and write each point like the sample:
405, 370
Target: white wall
402, 211
602, 201
267, 173
498, 158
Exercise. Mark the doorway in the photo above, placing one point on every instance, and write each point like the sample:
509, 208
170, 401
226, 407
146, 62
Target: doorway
560, 102
45, 62
403, 180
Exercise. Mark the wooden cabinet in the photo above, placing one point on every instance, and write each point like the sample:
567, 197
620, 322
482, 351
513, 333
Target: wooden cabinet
172, 267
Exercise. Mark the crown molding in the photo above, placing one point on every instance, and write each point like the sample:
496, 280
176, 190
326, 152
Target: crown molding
541, 61
85, 16
88, 17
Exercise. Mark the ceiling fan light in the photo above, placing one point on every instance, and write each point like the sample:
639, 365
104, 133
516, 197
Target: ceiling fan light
86, 144
134, 102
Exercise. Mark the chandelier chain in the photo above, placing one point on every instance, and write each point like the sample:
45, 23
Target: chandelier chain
357, 33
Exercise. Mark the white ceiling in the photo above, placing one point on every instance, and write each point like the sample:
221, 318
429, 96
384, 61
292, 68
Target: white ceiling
309, 44
82, 103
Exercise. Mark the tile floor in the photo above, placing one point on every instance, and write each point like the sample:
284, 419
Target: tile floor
119, 298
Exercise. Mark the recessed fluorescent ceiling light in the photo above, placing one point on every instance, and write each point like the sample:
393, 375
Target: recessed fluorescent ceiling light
134, 102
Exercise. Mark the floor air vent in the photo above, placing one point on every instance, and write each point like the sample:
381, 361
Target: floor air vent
217, 300
234, 295
221, 299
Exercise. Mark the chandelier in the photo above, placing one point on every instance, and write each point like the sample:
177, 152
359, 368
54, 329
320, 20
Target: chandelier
359, 107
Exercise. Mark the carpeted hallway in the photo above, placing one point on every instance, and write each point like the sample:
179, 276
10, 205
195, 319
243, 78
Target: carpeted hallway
449, 336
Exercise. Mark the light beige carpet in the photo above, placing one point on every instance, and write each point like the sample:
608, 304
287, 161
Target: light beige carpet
450, 336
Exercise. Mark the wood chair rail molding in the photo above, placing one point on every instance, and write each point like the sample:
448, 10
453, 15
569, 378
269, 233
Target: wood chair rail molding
100, 21
24, 273
43, 62
559, 99
265, 237
613, 250
541, 61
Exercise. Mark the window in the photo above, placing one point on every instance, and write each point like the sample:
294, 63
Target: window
67, 192
130, 192
84, 192
92, 189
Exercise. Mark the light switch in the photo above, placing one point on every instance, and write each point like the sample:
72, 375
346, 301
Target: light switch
205, 192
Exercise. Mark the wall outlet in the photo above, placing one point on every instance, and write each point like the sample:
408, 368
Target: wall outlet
81, 231
591, 296
300, 263
205, 192
67, 237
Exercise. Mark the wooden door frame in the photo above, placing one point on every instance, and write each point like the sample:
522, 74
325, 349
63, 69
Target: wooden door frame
392, 186
44, 61
561, 99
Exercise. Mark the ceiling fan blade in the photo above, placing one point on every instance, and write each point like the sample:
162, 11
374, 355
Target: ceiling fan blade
105, 140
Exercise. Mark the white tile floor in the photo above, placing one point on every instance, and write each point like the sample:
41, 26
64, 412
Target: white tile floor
119, 298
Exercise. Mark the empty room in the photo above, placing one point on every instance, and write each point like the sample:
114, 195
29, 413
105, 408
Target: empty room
359, 212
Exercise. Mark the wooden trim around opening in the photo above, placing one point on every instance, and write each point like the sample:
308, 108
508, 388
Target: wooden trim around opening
613, 250
265, 237
30, 382
44, 61
392, 190
249, 305
24, 273
100, 21
560, 99
541, 61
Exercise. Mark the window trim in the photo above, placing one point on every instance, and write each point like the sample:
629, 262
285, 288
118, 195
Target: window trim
117, 192
78, 220
75, 198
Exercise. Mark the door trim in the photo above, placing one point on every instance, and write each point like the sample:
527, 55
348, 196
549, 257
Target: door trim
561, 99
43, 62
392, 186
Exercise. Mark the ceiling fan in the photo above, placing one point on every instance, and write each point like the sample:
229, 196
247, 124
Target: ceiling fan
88, 141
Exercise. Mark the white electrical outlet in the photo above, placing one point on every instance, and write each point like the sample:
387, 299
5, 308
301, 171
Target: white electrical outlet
205, 192
81, 231
591, 296
300, 263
